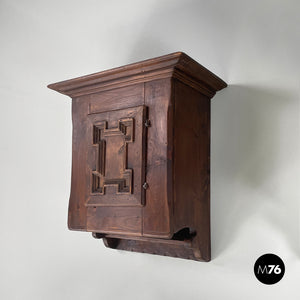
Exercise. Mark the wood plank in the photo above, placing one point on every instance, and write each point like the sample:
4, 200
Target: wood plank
192, 164
157, 210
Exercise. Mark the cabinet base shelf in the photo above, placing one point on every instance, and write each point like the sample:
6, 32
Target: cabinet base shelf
186, 249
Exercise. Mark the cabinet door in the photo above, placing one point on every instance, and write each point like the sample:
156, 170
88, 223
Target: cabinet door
116, 170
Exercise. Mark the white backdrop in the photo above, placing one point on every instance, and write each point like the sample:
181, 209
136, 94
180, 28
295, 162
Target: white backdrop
253, 45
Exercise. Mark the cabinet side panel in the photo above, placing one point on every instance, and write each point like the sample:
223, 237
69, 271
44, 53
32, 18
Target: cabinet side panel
77, 208
192, 164
157, 209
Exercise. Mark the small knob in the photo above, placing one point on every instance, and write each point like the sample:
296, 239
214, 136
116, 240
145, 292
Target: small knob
147, 123
145, 185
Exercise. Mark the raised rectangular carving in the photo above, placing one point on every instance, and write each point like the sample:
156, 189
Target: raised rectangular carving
114, 140
116, 171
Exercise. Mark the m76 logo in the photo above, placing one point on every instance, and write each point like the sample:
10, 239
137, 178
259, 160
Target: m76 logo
269, 269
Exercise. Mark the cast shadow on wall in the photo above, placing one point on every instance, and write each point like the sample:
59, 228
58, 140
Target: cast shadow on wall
251, 126
250, 135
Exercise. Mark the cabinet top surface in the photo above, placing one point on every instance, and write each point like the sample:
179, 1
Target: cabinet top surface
176, 64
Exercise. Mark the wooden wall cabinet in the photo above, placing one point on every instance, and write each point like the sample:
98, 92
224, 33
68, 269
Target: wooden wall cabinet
141, 156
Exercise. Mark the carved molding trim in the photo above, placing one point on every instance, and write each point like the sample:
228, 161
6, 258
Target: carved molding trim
148, 70
100, 178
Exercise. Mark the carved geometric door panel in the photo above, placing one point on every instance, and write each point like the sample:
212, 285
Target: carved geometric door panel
116, 157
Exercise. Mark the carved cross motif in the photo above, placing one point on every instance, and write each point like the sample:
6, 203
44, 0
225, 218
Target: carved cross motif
111, 166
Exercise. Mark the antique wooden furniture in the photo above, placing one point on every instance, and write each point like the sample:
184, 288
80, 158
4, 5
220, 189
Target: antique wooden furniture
141, 156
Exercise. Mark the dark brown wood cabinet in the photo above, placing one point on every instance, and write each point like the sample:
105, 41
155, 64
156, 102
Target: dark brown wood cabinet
141, 156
